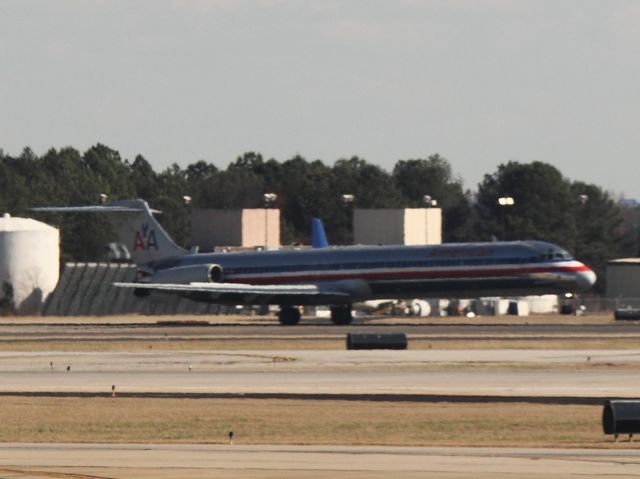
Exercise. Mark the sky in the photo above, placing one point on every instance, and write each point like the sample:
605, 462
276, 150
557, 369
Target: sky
481, 82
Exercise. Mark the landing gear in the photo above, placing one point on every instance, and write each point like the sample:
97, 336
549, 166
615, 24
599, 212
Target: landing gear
341, 315
289, 316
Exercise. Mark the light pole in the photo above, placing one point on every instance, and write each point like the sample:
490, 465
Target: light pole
348, 200
269, 200
580, 214
503, 202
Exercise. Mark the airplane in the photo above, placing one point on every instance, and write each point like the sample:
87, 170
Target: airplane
336, 276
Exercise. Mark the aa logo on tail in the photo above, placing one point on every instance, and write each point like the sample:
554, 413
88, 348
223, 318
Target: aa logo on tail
145, 239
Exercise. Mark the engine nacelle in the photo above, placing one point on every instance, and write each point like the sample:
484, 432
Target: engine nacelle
419, 307
199, 273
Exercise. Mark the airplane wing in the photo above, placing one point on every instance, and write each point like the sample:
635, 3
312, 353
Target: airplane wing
239, 293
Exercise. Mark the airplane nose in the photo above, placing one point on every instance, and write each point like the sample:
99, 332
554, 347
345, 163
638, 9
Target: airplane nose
585, 279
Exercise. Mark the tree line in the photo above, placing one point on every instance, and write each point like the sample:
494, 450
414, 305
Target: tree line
581, 217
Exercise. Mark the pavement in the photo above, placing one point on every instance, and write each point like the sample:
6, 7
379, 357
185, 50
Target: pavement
583, 373
535, 373
191, 461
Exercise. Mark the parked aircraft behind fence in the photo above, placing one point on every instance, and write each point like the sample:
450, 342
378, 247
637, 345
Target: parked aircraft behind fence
337, 276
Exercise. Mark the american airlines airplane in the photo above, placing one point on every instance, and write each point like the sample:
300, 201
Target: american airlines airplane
337, 276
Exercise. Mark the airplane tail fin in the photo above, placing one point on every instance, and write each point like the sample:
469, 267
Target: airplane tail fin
135, 226
318, 236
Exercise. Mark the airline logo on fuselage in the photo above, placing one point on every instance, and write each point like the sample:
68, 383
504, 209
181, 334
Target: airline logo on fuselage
145, 239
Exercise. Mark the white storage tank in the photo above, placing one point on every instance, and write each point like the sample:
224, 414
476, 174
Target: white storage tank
29, 261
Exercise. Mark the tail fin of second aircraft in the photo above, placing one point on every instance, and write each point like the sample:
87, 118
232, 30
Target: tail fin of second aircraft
135, 226
318, 236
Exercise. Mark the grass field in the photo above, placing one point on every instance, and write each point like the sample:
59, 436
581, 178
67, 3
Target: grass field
267, 421
262, 344
114, 420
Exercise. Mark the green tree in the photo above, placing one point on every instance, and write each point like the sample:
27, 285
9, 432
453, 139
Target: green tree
433, 176
630, 211
112, 176
197, 175
13, 187
599, 225
544, 206
371, 186
145, 181
7, 304
305, 192
169, 198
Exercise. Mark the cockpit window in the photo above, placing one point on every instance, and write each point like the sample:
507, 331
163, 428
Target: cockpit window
555, 255
562, 254
550, 252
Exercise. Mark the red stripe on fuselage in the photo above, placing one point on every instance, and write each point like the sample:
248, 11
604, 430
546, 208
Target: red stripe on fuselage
405, 275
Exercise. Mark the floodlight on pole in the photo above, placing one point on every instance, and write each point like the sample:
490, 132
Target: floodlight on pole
504, 201
429, 201
269, 200
348, 199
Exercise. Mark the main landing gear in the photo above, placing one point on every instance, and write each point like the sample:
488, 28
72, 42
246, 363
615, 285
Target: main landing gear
341, 315
289, 316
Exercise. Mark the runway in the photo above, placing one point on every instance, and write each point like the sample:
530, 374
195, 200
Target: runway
214, 461
142, 327
40, 358
508, 373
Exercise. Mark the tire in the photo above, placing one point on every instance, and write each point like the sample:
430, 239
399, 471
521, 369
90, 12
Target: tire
289, 316
341, 315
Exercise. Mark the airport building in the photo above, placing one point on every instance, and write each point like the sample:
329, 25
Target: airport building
246, 228
408, 226
260, 227
623, 278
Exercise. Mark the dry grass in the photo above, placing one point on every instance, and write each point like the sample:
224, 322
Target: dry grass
523, 342
325, 344
298, 422
171, 345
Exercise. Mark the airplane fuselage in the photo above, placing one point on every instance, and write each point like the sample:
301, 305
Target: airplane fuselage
371, 272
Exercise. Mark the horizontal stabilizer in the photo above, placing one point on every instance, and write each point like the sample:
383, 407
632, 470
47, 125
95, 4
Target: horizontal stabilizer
135, 226
90, 209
